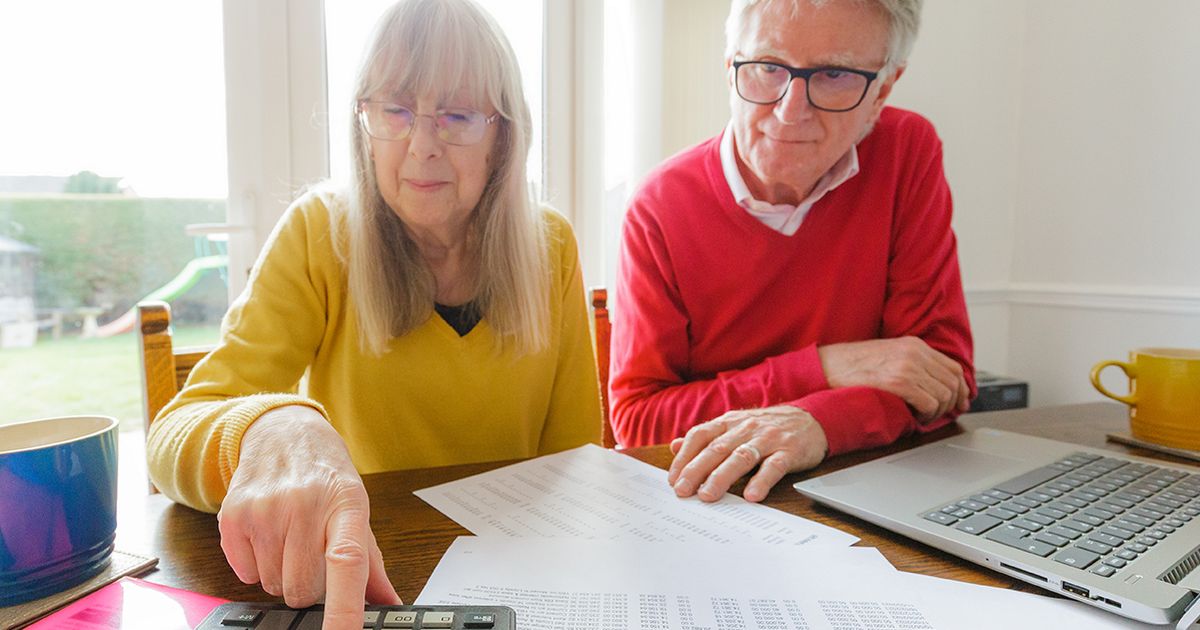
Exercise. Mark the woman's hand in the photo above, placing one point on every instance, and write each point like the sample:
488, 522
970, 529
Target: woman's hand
296, 518
714, 455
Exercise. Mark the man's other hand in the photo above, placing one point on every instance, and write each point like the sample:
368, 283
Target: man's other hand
929, 381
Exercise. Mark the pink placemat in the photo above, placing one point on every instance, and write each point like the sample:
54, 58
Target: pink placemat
122, 564
133, 604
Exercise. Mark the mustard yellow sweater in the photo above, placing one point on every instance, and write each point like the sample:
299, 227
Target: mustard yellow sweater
433, 399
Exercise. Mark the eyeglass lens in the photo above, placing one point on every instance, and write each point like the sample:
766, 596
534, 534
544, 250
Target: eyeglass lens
829, 89
389, 121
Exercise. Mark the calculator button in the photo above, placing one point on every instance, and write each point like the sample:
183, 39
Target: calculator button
437, 619
370, 618
311, 621
479, 620
241, 617
400, 619
277, 620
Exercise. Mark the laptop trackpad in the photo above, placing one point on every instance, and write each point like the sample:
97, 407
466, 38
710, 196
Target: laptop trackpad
955, 462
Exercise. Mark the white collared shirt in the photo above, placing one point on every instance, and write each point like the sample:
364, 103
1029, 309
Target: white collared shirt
783, 218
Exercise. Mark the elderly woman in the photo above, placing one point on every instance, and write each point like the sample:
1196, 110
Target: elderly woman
436, 312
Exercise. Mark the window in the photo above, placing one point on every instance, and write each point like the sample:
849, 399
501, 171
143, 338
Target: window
131, 106
113, 128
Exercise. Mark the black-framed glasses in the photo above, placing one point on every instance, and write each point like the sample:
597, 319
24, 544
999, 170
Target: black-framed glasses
385, 120
828, 88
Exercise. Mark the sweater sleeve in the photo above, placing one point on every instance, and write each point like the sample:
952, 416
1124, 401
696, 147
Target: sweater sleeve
653, 398
574, 416
924, 299
268, 339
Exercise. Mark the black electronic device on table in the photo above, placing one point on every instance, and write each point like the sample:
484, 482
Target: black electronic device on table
250, 616
999, 392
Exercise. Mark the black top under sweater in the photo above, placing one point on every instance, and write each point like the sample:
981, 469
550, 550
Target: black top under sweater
461, 318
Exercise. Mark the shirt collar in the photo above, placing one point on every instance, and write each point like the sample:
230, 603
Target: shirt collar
782, 215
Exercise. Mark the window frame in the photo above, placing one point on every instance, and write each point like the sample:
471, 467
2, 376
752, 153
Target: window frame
275, 118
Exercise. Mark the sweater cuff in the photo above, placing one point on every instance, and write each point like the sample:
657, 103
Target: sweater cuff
796, 373
238, 419
856, 418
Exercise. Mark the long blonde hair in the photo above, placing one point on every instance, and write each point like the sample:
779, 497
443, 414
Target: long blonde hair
442, 47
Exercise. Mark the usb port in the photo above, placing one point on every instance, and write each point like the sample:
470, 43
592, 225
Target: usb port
1076, 590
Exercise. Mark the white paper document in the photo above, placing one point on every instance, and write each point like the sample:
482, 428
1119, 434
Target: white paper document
618, 585
591, 492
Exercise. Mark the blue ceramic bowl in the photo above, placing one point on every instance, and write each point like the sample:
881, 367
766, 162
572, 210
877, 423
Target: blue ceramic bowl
58, 504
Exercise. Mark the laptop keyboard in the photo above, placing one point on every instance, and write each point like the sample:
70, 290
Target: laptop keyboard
1090, 512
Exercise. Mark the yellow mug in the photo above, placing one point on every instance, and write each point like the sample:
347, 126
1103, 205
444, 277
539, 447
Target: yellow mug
1164, 395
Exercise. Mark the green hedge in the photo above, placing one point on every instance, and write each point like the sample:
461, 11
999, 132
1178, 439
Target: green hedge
110, 250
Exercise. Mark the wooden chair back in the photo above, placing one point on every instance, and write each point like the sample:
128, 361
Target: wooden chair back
164, 369
598, 296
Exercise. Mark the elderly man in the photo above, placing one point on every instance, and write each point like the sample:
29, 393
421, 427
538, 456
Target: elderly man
790, 289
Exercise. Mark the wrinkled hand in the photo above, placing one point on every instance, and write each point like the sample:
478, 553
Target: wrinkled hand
929, 381
296, 518
714, 455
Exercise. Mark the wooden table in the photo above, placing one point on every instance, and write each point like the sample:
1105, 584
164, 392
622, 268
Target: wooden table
413, 536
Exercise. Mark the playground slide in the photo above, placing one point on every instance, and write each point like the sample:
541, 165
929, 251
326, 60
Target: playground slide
178, 285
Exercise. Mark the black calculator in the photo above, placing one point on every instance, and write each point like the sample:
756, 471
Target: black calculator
247, 616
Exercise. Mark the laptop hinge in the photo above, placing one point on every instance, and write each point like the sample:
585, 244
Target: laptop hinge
1190, 614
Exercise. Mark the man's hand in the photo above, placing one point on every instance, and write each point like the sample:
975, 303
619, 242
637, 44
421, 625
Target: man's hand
296, 519
714, 455
929, 381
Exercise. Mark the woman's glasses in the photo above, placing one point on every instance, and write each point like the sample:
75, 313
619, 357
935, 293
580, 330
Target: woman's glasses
385, 120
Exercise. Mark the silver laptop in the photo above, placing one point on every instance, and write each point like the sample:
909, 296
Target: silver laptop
1119, 532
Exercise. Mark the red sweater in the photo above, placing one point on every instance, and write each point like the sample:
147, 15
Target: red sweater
716, 311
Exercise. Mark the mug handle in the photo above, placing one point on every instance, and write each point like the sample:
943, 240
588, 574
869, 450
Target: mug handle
1130, 371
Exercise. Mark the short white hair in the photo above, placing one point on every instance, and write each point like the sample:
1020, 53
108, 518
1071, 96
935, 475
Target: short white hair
904, 17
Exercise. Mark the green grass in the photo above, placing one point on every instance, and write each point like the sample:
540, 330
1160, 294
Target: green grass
72, 376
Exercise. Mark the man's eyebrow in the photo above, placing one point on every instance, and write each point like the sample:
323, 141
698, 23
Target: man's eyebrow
847, 60
837, 59
764, 52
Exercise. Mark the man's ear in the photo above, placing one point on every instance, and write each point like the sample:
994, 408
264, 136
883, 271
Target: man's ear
885, 90
729, 70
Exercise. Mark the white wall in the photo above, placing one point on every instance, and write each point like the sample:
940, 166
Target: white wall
1110, 144
1072, 146
1108, 213
695, 90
